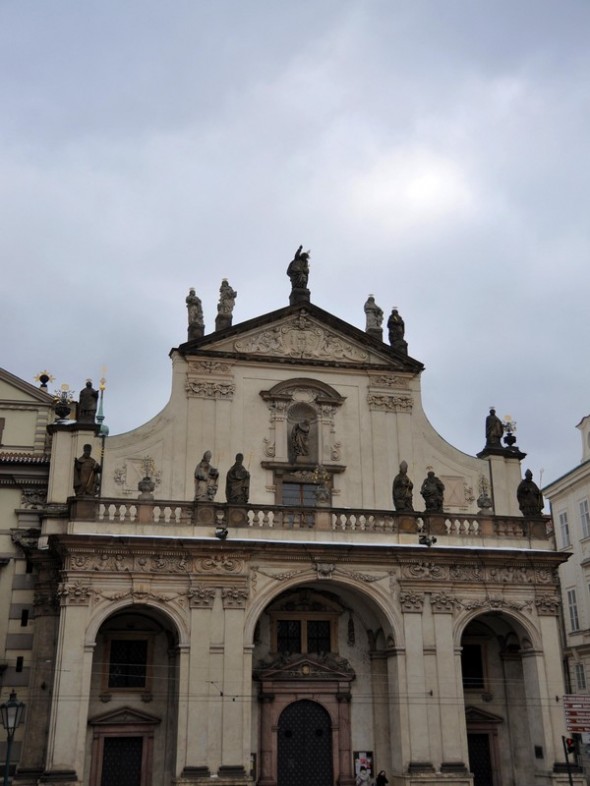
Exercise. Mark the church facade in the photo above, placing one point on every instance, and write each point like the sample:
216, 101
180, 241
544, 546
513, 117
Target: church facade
227, 594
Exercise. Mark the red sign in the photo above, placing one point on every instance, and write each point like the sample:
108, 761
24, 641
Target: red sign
577, 713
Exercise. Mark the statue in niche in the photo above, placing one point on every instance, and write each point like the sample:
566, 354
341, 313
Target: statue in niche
237, 482
374, 316
86, 472
225, 307
299, 439
88, 403
528, 494
298, 272
433, 493
196, 325
494, 430
206, 479
402, 490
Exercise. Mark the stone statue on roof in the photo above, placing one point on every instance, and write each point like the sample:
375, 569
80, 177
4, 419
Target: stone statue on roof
298, 272
225, 307
196, 325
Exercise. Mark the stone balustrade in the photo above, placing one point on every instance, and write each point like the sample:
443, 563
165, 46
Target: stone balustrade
256, 518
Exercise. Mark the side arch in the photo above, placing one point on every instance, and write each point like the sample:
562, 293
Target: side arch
102, 613
525, 624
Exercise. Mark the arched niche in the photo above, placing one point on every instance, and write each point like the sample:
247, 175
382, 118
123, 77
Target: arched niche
302, 446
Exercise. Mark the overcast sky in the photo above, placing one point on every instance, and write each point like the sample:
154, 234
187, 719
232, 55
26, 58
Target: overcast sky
432, 153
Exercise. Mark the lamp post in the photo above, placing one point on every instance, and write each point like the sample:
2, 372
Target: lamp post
12, 713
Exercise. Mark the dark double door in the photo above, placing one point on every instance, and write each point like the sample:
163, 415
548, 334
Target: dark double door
480, 758
304, 745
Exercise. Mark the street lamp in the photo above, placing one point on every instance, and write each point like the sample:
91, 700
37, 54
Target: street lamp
12, 713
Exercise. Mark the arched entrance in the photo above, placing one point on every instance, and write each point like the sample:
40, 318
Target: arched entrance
304, 745
314, 648
133, 700
501, 721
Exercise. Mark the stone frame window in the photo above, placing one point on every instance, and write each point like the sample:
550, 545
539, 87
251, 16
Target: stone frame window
585, 517
128, 662
564, 529
306, 621
580, 676
572, 605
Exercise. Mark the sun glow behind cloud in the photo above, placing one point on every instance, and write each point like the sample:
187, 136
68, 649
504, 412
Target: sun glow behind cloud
408, 187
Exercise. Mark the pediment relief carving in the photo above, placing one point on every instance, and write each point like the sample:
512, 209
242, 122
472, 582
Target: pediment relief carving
300, 336
327, 666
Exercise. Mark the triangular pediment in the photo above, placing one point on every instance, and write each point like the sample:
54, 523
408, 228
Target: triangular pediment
477, 715
309, 667
124, 716
302, 334
13, 388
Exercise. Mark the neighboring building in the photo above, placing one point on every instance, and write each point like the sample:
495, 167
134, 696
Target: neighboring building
569, 496
305, 628
25, 412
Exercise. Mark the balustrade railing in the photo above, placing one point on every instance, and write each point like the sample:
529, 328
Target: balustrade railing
164, 513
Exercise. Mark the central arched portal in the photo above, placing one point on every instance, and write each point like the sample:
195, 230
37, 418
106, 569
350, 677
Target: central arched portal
304, 745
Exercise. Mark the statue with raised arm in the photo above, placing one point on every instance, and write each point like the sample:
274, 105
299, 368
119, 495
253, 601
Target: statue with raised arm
528, 494
402, 490
86, 472
196, 325
206, 479
237, 482
298, 272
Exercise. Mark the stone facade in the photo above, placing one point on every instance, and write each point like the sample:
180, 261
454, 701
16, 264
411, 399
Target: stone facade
569, 496
271, 642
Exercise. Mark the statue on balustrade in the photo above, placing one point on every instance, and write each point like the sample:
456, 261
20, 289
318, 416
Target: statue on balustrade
528, 494
86, 472
237, 482
402, 490
206, 479
433, 492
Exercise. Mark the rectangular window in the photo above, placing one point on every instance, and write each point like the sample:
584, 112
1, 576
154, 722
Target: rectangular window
580, 676
299, 495
573, 610
318, 636
128, 663
472, 667
564, 529
300, 634
24, 618
585, 518
289, 636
